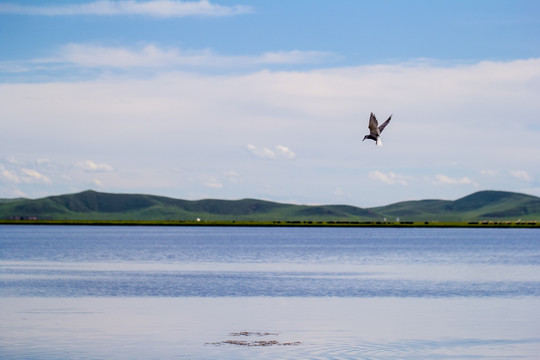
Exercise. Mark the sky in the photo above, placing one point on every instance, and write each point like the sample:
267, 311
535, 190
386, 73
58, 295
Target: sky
270, 99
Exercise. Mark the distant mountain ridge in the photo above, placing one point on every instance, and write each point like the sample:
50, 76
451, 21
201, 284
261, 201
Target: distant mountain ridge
92, 205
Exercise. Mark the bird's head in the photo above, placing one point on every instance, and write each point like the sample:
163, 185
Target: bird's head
365, 137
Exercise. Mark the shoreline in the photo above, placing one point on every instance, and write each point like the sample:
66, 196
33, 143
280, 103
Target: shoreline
330, 224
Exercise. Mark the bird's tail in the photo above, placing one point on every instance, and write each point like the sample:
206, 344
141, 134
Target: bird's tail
378, 142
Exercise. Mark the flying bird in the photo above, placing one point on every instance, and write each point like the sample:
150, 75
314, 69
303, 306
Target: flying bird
375, 130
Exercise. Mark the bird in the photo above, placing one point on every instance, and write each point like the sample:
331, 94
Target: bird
375, 130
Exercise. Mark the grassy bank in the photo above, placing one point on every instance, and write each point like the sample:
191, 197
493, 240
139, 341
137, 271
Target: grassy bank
432, 224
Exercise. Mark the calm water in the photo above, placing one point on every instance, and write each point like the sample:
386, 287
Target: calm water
77, 292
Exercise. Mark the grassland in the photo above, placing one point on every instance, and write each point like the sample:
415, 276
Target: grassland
470, 224
485, 208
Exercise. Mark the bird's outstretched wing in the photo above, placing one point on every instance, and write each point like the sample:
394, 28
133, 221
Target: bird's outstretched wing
381, 128
373, 125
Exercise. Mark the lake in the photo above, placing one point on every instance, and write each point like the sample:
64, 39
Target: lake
93, 292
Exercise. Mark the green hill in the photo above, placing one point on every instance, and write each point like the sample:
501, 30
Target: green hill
92, 205
482, 205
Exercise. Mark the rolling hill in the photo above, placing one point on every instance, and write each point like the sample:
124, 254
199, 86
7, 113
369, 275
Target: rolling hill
92, 205
483, 205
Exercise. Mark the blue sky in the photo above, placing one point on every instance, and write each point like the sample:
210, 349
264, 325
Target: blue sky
269, 99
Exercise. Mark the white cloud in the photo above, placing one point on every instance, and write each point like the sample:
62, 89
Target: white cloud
446, 180
522, 175
97, 182
213, 184
19, 193
12, 160
195, 122
278, 152
293, 57
158, 8
388, 178
488, 172
89, 165
34, 176
154, 56
9, 175
285, 151
261, 152
85, 55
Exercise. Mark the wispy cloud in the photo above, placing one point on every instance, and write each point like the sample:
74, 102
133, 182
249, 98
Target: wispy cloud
31, 176
262, 152
90, 165
157, 8
213, 184
488, 172
447, 180
97, 182
23, 174
322, 112
154, 56
294, 57
279, 151
9, 175
388, 178
284, 151
521, 175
